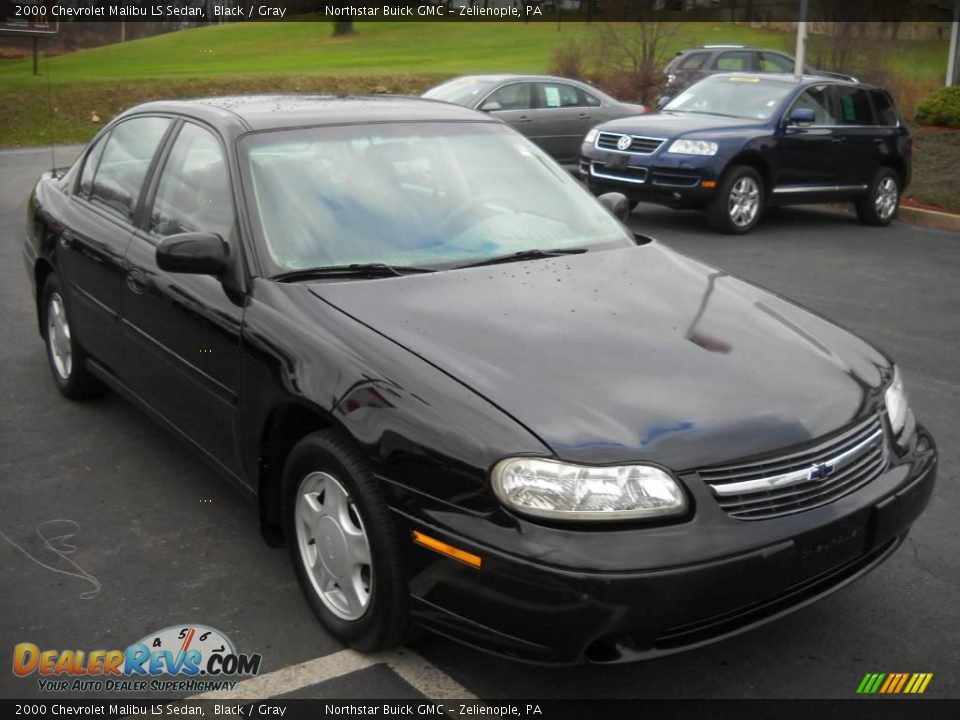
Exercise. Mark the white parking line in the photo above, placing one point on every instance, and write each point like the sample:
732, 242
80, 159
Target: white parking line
423, 676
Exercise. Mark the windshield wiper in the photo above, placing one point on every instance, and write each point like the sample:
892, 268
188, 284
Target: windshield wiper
369, 270
534, 254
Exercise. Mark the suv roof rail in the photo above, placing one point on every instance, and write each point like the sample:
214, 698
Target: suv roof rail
712, 47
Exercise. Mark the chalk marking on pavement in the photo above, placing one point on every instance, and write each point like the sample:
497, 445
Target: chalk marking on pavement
423, 676
65, 548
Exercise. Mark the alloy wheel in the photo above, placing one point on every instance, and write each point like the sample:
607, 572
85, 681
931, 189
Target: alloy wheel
744, 201
334, 546
886, 198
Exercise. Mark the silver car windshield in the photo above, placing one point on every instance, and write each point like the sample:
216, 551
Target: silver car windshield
749, 97
414, 194
465, 91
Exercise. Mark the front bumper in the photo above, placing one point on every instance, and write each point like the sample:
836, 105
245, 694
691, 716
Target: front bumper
532, 609
669, 179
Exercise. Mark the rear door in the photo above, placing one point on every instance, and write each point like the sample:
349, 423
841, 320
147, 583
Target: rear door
862, 139
182, 332
561, 120
99, 223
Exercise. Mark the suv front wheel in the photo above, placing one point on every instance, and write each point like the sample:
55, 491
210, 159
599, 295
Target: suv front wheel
879, 206
738, 204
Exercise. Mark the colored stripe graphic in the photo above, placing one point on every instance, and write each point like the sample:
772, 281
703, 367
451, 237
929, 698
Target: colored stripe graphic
894, 683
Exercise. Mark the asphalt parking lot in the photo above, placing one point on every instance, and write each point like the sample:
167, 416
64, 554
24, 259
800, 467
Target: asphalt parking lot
161, 540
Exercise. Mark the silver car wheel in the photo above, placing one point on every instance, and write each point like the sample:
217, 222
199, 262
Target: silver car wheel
334, 547
744, 201
887, 196
58, 337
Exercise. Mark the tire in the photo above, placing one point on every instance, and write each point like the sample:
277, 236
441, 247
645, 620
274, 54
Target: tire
64, 353
880, 205
330, 494
741, 186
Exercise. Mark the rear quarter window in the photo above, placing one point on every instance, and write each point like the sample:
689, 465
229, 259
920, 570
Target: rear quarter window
886, 113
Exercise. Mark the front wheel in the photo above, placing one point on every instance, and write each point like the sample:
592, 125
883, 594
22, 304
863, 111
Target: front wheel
738, 204
343, 543
879, 206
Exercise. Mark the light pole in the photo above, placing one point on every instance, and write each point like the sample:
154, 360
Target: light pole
953, 62
802, 39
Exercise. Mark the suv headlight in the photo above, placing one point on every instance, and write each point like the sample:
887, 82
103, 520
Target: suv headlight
591, 135
693, 147
563, 491
895, 398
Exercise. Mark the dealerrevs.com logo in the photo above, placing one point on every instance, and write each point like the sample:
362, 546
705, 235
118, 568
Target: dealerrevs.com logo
199, 656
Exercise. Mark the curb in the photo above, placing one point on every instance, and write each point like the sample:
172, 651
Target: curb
929, 218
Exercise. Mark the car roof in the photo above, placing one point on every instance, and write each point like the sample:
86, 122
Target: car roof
501, 77
242, 113
789, 79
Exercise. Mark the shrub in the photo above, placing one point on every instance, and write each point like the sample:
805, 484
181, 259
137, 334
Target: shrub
569, 60
940, 108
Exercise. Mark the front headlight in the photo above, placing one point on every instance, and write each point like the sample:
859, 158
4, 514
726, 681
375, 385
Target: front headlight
693, 147
895, 398
562, 491
591, 135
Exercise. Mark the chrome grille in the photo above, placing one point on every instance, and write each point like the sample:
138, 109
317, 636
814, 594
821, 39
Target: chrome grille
802, 480
639, 145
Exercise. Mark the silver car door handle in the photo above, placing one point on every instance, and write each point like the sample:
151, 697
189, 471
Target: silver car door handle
523, 119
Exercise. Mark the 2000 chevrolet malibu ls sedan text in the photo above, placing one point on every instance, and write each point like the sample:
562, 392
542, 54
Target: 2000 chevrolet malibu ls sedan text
462, 392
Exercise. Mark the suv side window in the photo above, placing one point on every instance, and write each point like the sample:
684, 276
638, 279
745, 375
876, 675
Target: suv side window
736, 61
194, 190
90, 166
693, 61
124, 164
515, 96
557, 95
854, 105
886, 113
774, 63
817, 98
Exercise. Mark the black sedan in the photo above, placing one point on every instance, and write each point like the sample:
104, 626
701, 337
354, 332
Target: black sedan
459, 390
732, 145
554, 112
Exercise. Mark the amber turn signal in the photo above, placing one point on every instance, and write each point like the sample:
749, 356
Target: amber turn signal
448, 550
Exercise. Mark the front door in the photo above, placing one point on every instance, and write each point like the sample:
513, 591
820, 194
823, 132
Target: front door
514, 104
182, 332
806, 156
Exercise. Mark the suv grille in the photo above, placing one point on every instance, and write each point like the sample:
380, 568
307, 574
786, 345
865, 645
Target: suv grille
638, 145
801, 480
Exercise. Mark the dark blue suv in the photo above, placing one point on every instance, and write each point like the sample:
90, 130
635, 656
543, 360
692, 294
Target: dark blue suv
732, 145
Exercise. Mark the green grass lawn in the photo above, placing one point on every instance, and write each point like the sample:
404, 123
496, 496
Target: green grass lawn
304, 57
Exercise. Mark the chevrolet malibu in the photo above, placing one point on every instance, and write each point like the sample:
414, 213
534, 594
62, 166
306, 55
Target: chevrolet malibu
459, 390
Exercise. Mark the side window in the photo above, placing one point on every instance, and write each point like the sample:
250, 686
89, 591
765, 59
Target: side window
90, 166
516, 96
817, 99
194, 190
886, 113
557, 95
775, 63
126, 159
693, 61
736, 61
854, 106
588, 100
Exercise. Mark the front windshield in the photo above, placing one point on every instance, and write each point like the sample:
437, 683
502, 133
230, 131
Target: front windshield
748, 97
414, 194
465, 91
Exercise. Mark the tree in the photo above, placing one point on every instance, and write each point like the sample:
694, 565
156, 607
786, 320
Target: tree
631, 56
343, 27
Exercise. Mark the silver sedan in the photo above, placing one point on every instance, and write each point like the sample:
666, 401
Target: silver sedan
553, 112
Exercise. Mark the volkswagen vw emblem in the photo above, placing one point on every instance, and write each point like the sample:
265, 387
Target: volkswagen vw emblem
624, 142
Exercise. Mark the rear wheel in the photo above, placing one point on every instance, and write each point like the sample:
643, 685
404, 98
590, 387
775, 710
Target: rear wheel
738, 203
879, 206
343, 543
66, 357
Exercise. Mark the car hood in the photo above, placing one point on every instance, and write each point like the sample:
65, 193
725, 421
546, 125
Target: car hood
635, 354
673, 125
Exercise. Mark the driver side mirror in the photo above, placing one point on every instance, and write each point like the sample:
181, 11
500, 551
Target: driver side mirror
194, 253
491, 106
802, 117
617, 204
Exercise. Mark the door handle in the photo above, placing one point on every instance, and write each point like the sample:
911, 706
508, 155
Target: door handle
523, 119
837, 139
138, 282
584, 116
